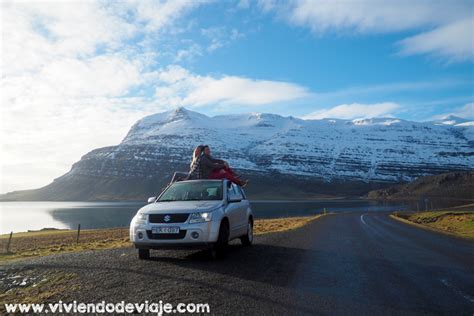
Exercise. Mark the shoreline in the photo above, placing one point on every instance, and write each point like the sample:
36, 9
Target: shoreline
258, 200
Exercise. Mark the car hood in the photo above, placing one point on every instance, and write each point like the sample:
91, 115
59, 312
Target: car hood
180, 207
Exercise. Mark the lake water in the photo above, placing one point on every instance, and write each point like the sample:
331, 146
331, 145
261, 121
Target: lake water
23, 216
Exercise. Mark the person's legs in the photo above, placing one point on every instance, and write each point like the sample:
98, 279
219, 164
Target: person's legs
230, 171
217, 174
224, 174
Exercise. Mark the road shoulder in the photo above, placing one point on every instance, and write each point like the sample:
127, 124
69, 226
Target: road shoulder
458, 224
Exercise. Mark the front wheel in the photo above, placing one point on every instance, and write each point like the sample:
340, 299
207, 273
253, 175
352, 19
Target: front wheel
219, 249
248, 238
143, 254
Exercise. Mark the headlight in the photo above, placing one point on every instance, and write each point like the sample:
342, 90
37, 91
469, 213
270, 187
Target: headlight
141, 218
200, 217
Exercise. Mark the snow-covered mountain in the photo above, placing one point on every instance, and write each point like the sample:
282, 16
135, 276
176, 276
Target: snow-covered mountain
385, 149
453, 120
268, 145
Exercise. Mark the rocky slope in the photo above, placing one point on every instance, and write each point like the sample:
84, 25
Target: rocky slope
453, 186
283, 156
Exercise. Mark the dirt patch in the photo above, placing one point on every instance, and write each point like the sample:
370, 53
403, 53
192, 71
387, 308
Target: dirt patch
23, 285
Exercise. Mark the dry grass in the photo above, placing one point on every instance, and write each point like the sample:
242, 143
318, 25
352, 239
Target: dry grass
456, 222
35, 244
265, 226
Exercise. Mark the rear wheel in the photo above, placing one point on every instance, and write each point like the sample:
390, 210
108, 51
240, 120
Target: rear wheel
143, 254
219, 249
248, 238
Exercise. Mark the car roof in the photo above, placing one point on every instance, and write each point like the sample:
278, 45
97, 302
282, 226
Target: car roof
200, 180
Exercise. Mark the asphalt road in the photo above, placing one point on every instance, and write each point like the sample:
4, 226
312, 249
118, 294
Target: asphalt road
349, 263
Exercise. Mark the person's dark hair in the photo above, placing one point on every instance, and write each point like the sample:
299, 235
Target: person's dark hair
204, 147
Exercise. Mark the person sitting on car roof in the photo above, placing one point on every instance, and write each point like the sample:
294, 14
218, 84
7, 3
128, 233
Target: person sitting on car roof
212, 168
195, 166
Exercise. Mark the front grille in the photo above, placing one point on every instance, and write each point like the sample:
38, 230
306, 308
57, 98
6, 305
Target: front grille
172, 218
180, 235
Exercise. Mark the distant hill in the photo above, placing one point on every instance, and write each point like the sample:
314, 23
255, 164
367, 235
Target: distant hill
453, 185
284, 157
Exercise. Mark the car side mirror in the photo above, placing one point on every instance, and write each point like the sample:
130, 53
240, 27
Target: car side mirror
151, 199
234, 199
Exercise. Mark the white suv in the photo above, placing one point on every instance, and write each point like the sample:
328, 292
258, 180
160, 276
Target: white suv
193, 214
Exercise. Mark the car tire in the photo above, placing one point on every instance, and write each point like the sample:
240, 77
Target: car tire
143, 254
219, 249
248, 238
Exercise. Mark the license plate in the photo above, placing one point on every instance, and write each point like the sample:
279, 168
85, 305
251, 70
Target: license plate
165, 230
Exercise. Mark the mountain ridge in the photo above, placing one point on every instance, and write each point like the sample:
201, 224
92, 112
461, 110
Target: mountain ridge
319, 157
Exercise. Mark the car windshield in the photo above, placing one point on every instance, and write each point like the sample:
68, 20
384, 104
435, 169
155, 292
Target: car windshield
193, 191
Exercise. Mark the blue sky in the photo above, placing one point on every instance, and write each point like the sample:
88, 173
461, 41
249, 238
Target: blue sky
269, 48
76, 75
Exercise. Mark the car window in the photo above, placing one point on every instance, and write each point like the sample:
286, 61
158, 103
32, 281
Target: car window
230, 191
241, 192
192, 191
234, 191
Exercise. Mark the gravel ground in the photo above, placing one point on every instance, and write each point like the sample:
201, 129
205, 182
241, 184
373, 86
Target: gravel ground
352, 263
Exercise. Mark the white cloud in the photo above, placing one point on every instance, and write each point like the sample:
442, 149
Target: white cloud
372, 16
44, 32
157, 14
105, 75
220, 37
466, 111
184, 88
443, 19
454, 42
237, 90
42, 140
243, 4
67, 70
355, 110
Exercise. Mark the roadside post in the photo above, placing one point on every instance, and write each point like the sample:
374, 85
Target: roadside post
9, 242
78, 233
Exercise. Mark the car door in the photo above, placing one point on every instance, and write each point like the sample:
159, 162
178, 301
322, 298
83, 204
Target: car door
242, 210
233, 211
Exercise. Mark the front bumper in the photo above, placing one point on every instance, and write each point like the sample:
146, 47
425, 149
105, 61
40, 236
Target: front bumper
173, 246
200, 235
